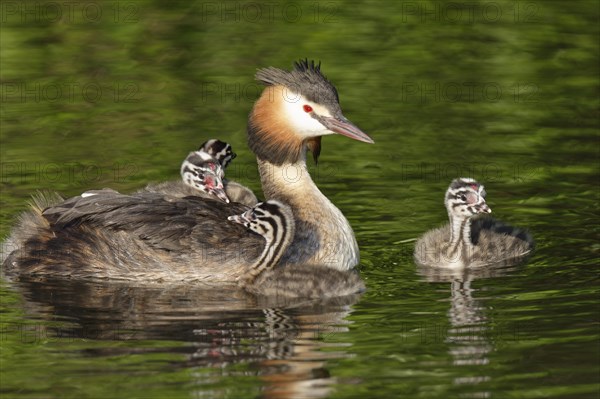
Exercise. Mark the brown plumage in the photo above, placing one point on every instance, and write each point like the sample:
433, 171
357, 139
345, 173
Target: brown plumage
269, 134
147, 236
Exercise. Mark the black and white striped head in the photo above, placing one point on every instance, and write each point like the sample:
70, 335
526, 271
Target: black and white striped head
203, 172
219, 150
267, 219
466, 197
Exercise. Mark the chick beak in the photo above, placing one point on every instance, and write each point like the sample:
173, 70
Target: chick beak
220, 193
243, 218
484, 208
239, 219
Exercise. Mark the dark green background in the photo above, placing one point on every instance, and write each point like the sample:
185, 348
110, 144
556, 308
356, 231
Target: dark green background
115, 94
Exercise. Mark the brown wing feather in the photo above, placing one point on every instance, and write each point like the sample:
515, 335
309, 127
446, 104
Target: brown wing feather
112, 235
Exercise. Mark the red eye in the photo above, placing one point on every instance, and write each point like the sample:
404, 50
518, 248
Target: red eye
307, 108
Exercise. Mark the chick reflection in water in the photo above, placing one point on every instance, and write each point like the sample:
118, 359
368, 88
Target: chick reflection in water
472, 332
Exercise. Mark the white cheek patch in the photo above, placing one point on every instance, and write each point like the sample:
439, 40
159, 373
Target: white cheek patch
321, 110
300, 120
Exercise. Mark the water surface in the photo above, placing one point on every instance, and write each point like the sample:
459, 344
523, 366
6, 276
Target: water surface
505, 92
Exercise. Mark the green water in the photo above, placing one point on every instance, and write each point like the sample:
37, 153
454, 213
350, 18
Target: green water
115, 94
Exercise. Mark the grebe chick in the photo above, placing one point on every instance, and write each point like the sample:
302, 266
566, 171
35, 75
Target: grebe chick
203, 172
151, 237
469, 241
223, 153
273, 221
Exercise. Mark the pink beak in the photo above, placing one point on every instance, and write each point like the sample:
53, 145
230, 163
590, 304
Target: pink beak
344, 127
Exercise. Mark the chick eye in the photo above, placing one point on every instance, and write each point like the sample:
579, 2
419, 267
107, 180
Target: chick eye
307, 108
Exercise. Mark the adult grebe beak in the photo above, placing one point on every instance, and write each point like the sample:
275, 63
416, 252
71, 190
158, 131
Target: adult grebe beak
343, 126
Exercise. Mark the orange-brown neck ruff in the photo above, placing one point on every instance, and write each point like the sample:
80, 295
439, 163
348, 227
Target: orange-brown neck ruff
270, 136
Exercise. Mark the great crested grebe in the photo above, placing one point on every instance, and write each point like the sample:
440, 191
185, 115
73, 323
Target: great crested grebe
466, 241
273, 221
148, 236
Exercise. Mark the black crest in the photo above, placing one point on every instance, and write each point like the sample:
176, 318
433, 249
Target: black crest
306, 79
